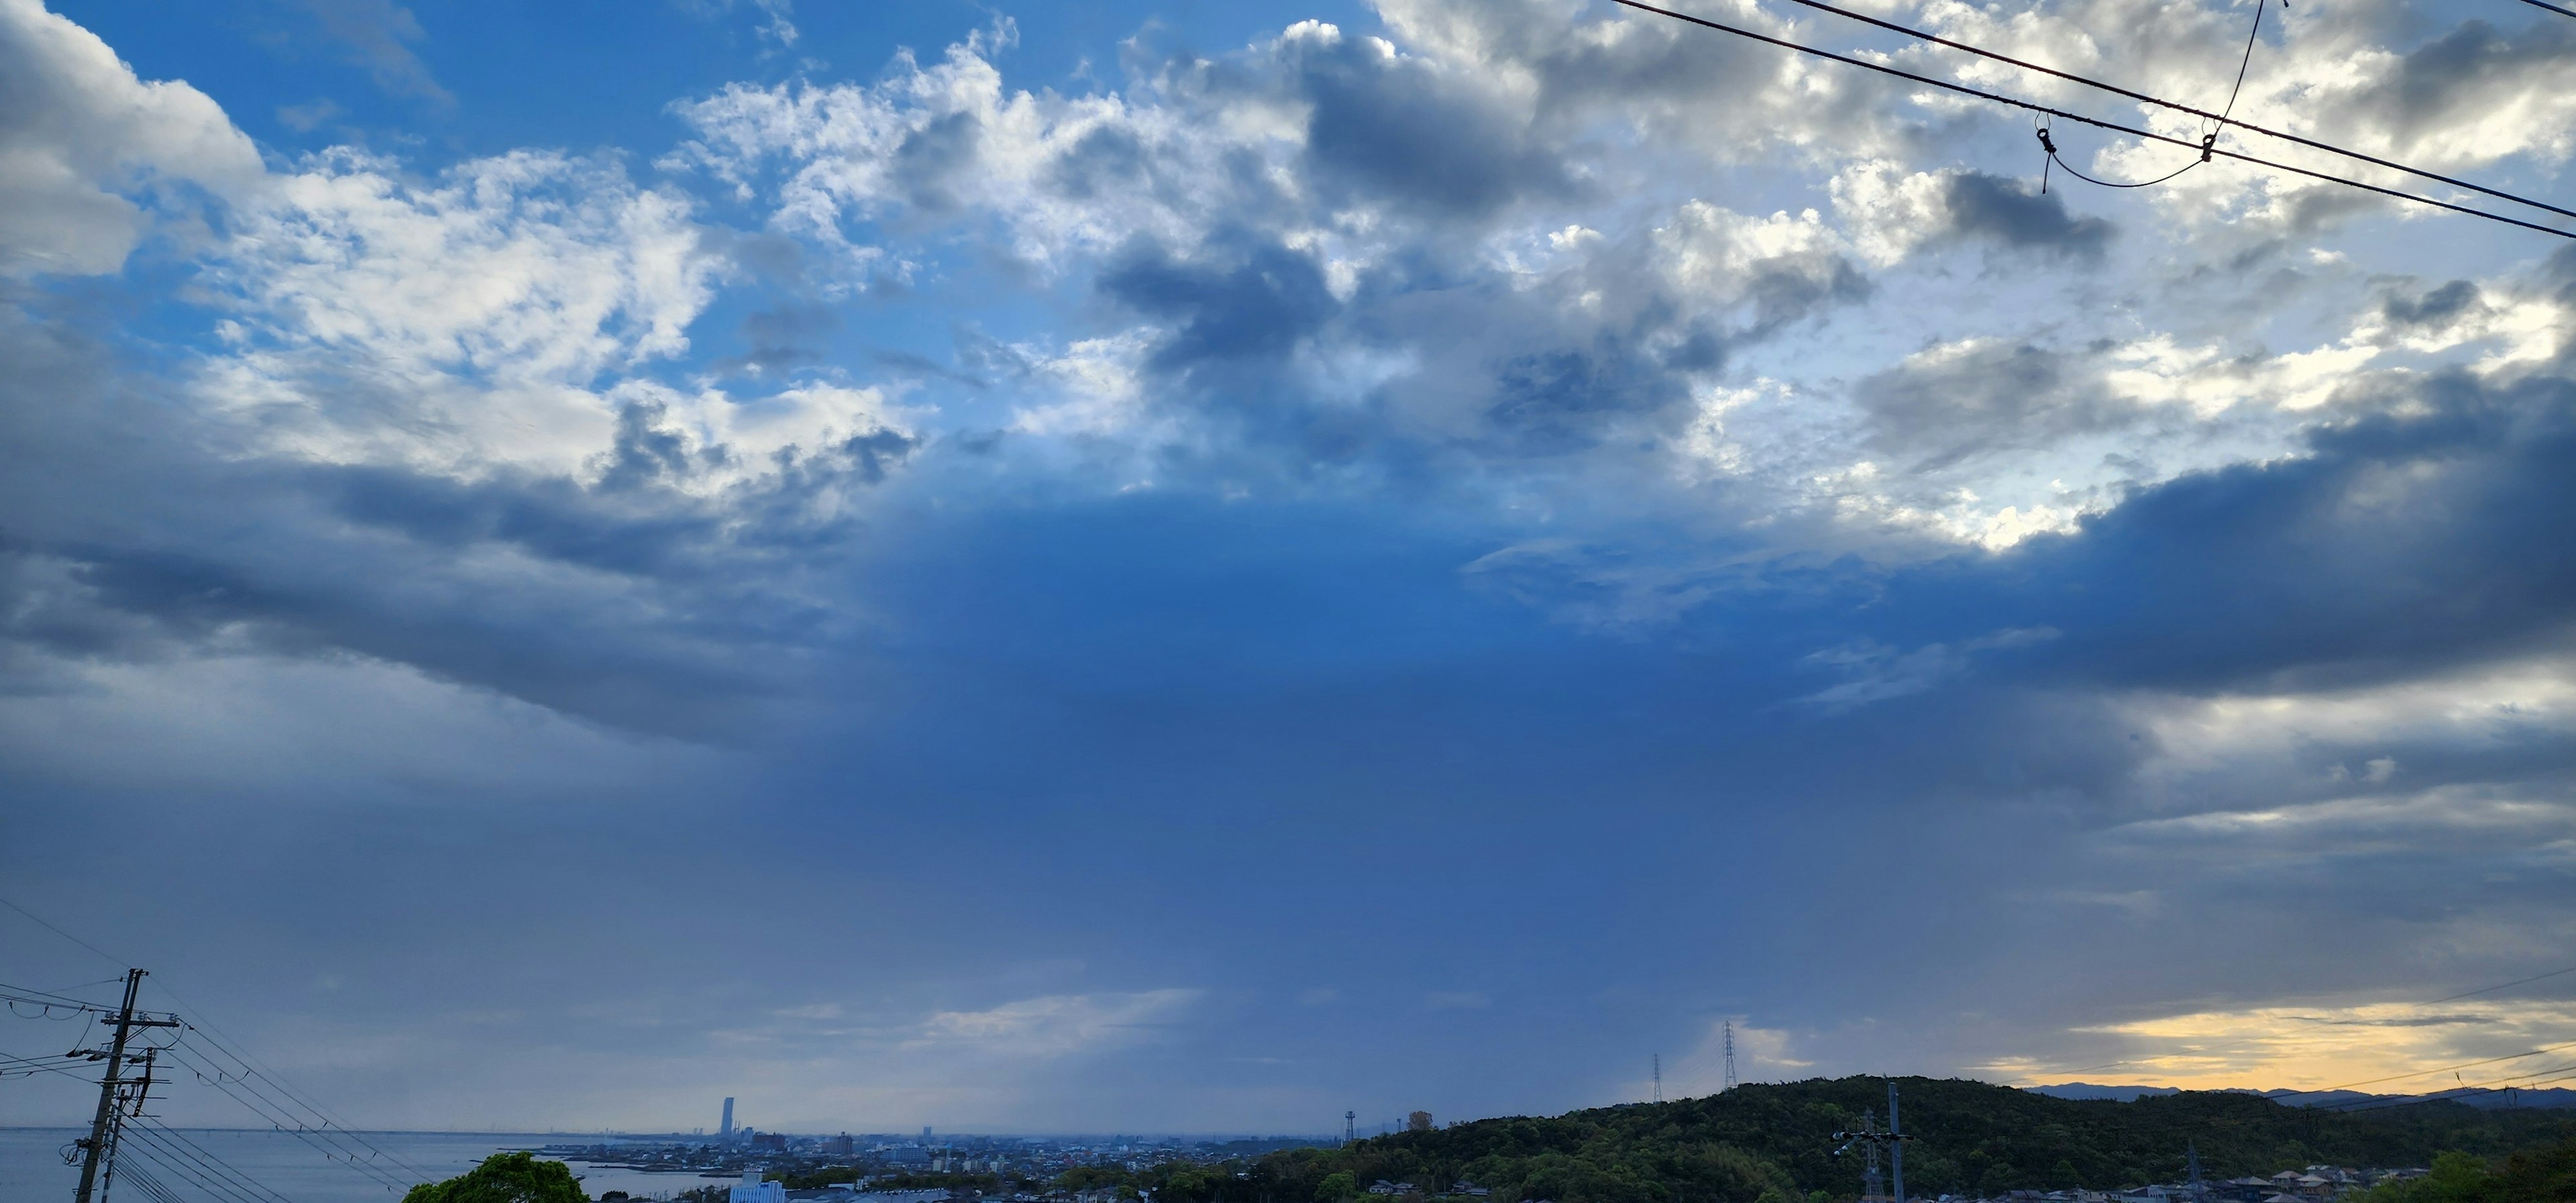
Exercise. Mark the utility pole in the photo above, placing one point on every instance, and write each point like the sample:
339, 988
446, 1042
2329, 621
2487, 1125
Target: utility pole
99, 1148
1871, 1138
1895, 1147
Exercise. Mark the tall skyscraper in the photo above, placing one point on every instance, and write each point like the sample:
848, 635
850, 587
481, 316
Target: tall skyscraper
726, 1133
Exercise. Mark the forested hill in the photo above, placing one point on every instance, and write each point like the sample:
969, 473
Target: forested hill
1974, 1138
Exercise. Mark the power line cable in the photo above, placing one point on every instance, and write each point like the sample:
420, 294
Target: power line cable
224, 1042
253, 1069
29, 994
2508, 985
143, 1179
253, 1076
2208, 137
2555, 1074
134, 1171
2141, 97
2440, 1069
38, 921
319, 1137
209, 1156
2564, 12
185, 1158
284, 1120
192, 1170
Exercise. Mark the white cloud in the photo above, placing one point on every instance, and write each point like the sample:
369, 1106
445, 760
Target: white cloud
1056, 1025
82, 141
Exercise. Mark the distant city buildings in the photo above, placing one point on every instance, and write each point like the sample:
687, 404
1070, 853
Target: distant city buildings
884, 1168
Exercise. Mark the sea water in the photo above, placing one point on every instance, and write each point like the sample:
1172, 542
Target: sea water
32, 1169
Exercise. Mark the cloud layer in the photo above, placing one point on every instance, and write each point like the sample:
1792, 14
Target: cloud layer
1232, 584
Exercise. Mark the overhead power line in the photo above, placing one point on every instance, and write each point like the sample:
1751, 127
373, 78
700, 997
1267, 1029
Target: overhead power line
2208, 137
232, 1071
33, 918
2564, 12
2508, 985
2224, 118
2441, 1069
2098, 123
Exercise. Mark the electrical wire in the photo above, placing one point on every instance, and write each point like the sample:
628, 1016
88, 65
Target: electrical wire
208, 1156
2441, 1069
2208, 137
34, 918
2099, 123
2045, 110
252, 1077
136, 1174
186, 1167
48, 998
30, 1066
191, 1160
283, 1119
310, 1137
2160, 102
2508, 985
2564, 12
2361, 1106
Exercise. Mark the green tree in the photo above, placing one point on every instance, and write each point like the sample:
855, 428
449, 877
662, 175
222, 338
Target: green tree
2455, 1178
2543, 1175
504, 1178
1337, 1186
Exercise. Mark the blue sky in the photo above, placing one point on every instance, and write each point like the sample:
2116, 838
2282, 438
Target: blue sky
1194, 567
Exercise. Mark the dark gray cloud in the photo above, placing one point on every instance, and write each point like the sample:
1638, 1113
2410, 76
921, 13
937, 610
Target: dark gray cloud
2434, 309
2426, 536
634, 602
2471, 68
1102, 161
1390, 130
1554, 401
1985, 398
931, 159
2013, 214
1245, 298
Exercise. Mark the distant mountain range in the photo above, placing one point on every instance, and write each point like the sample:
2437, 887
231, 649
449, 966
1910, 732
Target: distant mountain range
2350, 1100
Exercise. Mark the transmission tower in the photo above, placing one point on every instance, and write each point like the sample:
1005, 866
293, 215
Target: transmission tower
1730, 1056
1350, 1126
1872, 1180
1659, 1077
